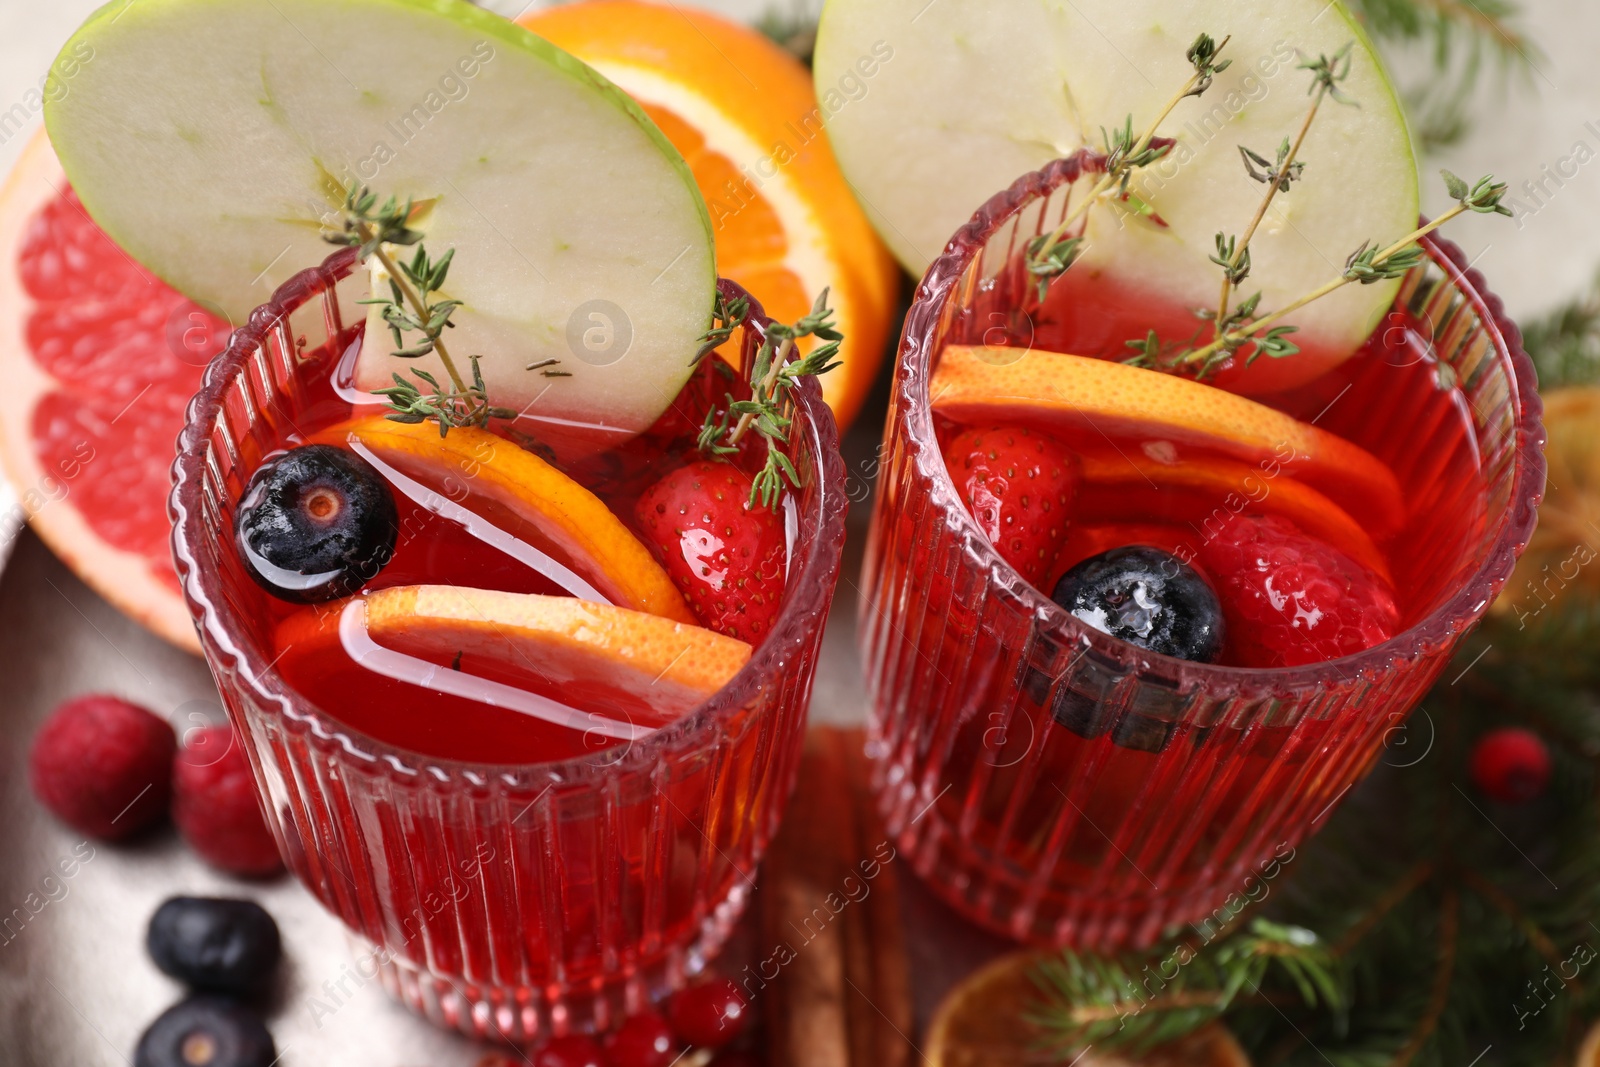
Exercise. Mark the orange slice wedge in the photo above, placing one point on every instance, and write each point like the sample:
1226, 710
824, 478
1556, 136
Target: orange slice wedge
1241, 487
523, 499
556, 658
985, 384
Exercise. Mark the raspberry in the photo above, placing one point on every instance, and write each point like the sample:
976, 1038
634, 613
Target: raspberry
215, 805
1289, 599
1510, 765
103, 766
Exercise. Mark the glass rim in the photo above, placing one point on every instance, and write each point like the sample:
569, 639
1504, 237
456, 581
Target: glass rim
1458, 610
809, 585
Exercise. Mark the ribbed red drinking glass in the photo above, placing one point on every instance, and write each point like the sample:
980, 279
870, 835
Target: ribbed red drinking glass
515, 901
1060, 786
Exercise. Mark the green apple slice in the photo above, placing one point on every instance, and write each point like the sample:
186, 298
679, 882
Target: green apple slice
212, 138
973, 97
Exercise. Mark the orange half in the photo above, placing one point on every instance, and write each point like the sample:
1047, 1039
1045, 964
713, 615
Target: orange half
526, 498
987, 384
628, 665
745, 116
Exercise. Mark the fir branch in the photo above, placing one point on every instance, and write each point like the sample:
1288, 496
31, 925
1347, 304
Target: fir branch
1051, 255
1095, 1000
1463, 38
1565, 344
794, 30
1450, 914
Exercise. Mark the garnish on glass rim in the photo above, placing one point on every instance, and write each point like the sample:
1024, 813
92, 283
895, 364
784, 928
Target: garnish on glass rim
1050, 255
1233, 254
773, 377
1366, 265
410, 308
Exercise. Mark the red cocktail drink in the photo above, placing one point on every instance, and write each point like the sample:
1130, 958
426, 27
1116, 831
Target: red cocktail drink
519, 846
1062, 786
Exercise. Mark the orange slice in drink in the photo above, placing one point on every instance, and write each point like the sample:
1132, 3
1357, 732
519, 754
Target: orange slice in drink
745, 116
986, 384
1239, 487
590, 667
524, 502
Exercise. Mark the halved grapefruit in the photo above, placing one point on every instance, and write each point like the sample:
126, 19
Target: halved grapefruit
99, 359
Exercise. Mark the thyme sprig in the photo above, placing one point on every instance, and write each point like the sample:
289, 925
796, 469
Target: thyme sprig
1051, 255
1366, 265
774, 374
1278, 175
469, 407
410, 308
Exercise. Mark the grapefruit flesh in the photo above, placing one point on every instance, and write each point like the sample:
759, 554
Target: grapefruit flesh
100, 358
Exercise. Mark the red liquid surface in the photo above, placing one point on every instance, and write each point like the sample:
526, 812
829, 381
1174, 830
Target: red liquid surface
435, 549
1174, 807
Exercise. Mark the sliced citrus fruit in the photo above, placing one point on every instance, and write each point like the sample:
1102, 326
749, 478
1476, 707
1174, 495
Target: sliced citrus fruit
1567, 538
567, 662
100, 359
1239, 486
980, 1023
744, 114
523, 500
583, 236
983, 384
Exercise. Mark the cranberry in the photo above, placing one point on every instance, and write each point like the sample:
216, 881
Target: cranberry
574, 1050
642, 1041
1510, 765
709, 1015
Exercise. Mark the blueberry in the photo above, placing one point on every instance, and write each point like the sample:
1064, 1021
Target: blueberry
205, 1031
1148, 598
316, 523
214, 943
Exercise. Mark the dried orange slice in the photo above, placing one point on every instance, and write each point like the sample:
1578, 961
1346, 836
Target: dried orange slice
522, 496
980, 1024
548, 656
985, 384
1568, 535
745, 116
1240, 487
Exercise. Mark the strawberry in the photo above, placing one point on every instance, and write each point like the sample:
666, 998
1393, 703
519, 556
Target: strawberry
1018, 484
1291, 599
726, 557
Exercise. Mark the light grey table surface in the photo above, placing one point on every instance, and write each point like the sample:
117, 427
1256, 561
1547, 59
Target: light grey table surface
75, 985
